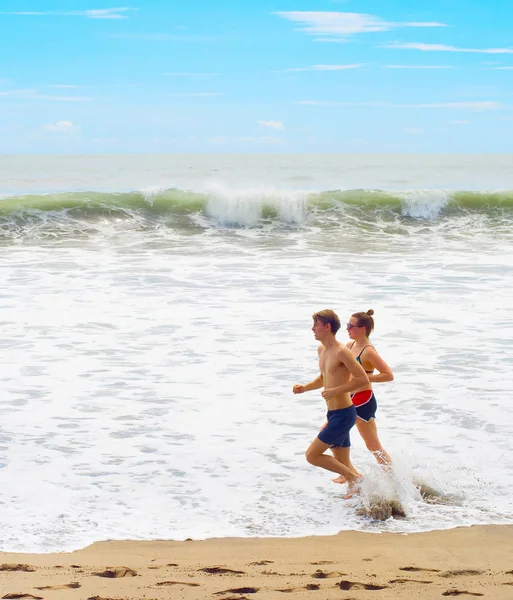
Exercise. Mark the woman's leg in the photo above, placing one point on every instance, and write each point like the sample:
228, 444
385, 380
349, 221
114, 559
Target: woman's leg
369, 433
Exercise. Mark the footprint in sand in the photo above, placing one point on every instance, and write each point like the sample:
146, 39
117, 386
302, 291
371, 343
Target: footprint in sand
162, 583
311, 587
460, 572
14, 596
220, 571
356, 585
242, 590
455, 592
403, 580
323, 562
261, 563
17, 567
117, 572
102, 598
325, 575
66, 586
419, 569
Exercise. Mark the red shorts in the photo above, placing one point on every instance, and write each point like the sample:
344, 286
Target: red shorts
361, 397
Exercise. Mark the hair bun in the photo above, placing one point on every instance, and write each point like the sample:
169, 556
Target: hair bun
370, 312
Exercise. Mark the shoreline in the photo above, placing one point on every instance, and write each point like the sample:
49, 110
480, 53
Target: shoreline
474, 561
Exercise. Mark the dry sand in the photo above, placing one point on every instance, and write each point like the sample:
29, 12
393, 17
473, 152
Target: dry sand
465, 562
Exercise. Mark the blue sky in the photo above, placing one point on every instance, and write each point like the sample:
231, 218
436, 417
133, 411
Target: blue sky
267, 76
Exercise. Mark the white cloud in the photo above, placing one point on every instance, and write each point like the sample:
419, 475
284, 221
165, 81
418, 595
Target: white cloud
34, 94
419, 67
326, 68
485, 105
502, 69
102, 13
333, 40
444, 48
344, 23
262, 140
62, 98
22, 93
105, 13
65, 86
272, 124
65, 127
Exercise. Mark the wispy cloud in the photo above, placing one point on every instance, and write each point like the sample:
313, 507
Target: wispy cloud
333, 40
64, 127
345, 23
65, 86
261, 140
101, 13
445, 48
414, 131
502, 69
326, 68
272, 124
22, 93
419, 67
34, 94
485, 105
63, 98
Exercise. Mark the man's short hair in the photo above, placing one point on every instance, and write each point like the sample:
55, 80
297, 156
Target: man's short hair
328, 316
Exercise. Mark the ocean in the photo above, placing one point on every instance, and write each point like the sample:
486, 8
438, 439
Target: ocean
156, 312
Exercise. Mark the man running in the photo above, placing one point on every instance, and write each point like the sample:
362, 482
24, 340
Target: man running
340, 373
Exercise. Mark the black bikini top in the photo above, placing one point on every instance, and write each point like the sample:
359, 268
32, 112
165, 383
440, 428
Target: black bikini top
358, 357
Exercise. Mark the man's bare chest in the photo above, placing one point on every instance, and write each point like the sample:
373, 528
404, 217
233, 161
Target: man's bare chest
330, 365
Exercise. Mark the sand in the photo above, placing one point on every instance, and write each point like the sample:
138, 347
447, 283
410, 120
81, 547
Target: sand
465, 562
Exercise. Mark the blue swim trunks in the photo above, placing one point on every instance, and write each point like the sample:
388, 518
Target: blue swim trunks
336, 432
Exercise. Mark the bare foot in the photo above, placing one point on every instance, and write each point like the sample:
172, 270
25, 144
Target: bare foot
340, 479
353, 488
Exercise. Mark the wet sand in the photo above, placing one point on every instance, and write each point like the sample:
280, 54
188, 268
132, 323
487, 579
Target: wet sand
465, 562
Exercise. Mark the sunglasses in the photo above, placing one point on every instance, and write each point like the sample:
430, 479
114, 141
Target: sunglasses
349, 326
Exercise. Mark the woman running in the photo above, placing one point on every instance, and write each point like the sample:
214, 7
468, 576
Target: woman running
359, 329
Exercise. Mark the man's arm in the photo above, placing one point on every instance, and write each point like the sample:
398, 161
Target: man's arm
317, 383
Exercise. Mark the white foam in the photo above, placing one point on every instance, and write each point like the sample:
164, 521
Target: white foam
424, 204
245, 206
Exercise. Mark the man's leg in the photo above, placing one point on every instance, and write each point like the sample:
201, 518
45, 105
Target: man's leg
315, 456
343, 456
